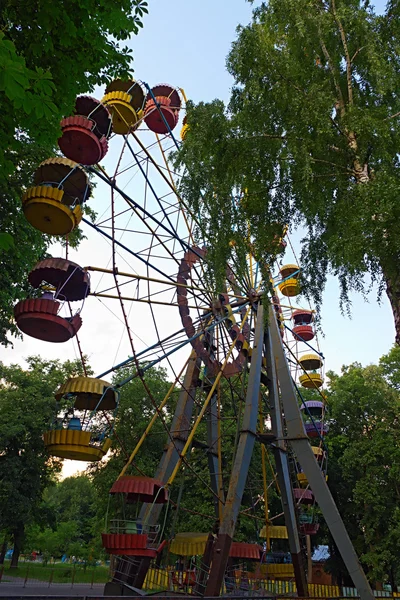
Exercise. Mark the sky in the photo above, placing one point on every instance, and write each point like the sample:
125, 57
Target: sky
186, 44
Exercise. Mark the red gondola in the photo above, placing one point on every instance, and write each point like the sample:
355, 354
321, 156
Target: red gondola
304, 496
84, 135
128, 536
303, 333
38, 318
302, 317
309, 528
162, 114
69, 279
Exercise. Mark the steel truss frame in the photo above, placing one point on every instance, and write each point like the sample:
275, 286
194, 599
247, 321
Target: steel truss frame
288, 434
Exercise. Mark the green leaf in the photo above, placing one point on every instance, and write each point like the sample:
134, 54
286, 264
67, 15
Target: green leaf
12, 88
6, 241
28, 104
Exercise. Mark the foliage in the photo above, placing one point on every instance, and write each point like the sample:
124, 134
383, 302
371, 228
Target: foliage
26, 408
310, 137
73, 500
68, 525
49, 53
390, 366
55, 543
364, 453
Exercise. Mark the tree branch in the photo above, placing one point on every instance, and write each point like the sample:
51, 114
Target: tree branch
346, 52
335, 81
356, 52
392, 116
338, 128
328, 162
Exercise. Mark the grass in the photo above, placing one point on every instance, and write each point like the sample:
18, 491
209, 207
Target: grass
58, 573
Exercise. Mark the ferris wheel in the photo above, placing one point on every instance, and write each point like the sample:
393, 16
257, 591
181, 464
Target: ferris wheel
237, 362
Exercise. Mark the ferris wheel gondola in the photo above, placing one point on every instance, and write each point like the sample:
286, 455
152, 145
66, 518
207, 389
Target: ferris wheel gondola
61, 282
84, 431
85, 134
54, 204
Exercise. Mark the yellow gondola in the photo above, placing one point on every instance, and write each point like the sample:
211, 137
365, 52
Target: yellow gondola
302, 479
318, 452
289, 270
311, 380
310, 362
79, 437
124, 100
74, 444
189, 544
275, 532
53, 205
88, 392
289, 288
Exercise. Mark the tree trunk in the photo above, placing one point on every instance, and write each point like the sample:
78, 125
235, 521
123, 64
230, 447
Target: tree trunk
392, 580
18, 538
392, 280
3, 551
393, 293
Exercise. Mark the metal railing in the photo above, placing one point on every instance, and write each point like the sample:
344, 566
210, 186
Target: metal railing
134, 526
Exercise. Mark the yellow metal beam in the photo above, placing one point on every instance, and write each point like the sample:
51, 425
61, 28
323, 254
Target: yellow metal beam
129, 298
153, 279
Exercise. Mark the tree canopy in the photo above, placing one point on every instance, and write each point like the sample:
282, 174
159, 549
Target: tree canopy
27, 406
364, 458
69, 526
310, 137
50, 52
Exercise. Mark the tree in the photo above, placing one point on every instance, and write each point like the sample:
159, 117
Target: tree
310, 137
364, 458
54, 542
49, 53
68, 511
27, 406
74, 500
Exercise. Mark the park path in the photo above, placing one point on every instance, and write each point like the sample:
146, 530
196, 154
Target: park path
36, 588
